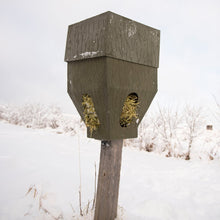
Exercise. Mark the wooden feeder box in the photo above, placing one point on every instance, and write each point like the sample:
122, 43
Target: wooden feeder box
110, 57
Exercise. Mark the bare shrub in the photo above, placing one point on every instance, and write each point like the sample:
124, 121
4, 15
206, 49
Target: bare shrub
217, 113
31, 115
166, 131
2, 110
175, 133
193, 124
207, 146
41, 116
167, 124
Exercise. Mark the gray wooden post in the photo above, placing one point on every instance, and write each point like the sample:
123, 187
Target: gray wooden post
108, 180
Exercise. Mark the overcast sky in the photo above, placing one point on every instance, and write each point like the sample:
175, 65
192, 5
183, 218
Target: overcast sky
33, 38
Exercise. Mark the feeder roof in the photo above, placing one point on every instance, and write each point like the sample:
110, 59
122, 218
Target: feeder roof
112, 35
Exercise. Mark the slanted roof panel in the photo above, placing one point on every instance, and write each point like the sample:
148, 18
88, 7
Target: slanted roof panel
114, 36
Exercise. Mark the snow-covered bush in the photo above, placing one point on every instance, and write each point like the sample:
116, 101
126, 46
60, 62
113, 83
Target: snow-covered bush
194, 124
207, 146
31, 115
2, 110
167, 125
167, 132
40, 116
180, 134
160, 132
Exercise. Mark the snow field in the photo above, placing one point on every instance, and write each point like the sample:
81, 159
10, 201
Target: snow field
151, 186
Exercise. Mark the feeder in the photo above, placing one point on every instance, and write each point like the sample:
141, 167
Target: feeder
111, 58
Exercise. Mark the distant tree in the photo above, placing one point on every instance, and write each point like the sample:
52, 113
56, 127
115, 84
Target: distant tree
193, 120
217, 115
166, 125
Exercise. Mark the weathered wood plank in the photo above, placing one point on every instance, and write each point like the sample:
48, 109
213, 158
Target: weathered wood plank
109, 81
108, 180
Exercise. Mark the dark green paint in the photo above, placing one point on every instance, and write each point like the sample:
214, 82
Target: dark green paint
124, 64
114, 36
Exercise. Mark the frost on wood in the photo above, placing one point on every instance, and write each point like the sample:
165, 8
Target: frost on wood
89, 54
132, 29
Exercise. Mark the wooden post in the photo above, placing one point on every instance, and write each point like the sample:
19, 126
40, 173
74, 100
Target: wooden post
108, 180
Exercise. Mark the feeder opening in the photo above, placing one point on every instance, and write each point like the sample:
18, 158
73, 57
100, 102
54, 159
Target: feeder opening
129, 110
90, 117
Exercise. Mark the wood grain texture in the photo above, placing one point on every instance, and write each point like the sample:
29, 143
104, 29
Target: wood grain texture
109, 81
114, 36
109, 57
108, 180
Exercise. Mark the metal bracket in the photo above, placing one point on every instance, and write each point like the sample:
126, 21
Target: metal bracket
106, 143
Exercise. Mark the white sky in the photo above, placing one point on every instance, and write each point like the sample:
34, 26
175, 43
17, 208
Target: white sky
33, 38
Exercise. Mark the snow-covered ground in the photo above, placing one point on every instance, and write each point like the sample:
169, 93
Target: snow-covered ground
152, 187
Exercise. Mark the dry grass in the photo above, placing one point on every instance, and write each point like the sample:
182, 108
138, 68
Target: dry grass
129, 110
90, 117
89, 208
47, 212
41, 197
